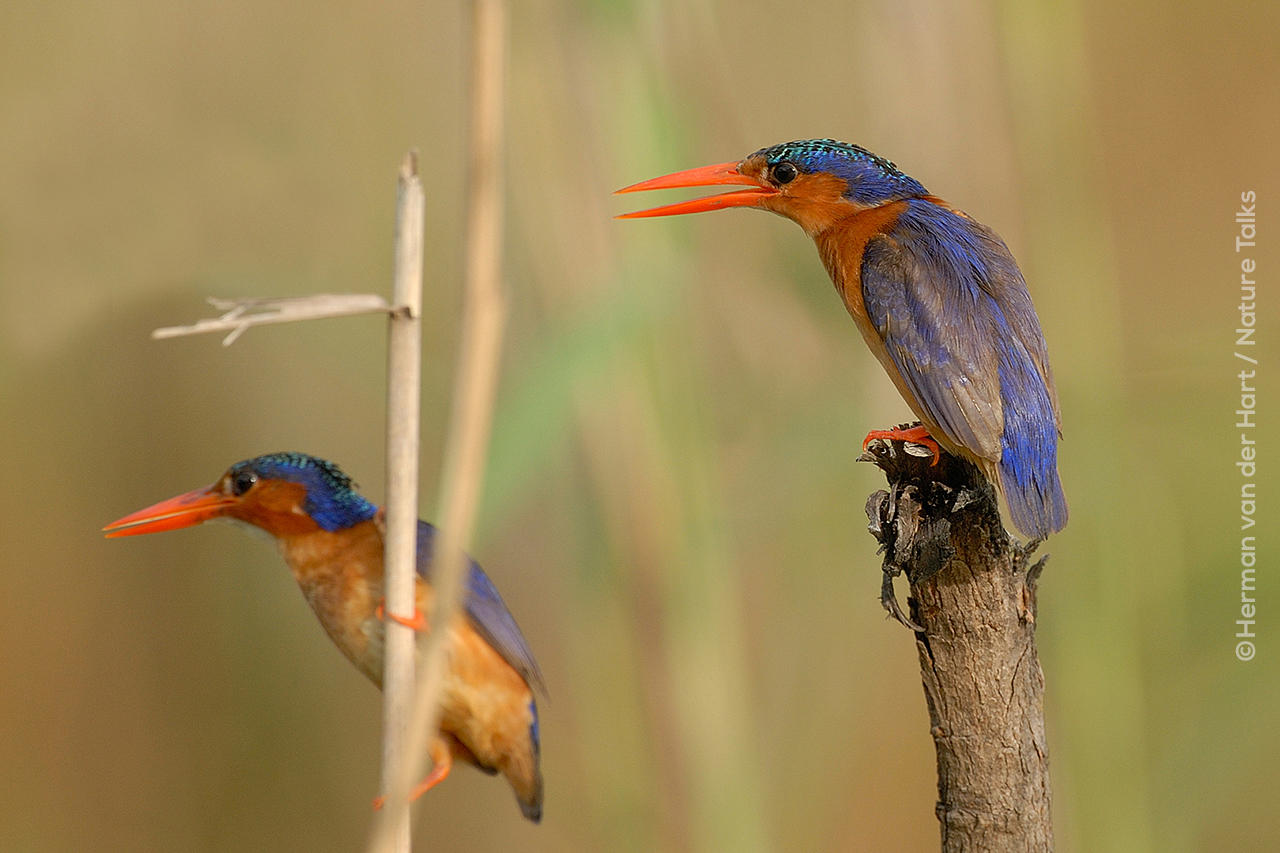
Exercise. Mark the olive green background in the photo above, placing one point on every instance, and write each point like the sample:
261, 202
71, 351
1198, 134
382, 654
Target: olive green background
673, 510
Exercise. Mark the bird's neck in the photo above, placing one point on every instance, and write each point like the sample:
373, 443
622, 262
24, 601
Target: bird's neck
841, 246
316, 555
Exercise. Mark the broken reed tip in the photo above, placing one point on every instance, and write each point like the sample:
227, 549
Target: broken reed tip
409, 165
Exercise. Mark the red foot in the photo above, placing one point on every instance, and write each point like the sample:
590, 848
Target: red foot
435, 777
918, 434
417, 623
442, 763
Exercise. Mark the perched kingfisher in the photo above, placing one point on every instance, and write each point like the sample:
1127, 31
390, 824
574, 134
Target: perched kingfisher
937, 296
331, 538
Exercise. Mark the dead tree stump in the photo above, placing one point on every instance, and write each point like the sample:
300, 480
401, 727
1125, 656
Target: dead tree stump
972, 608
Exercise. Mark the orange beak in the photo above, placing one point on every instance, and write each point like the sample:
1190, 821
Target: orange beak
174, 514
707, 176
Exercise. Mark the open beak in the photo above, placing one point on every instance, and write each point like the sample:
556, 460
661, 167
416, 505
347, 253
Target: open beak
707, 176
173, 514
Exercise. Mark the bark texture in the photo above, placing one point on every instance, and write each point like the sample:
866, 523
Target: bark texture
972, 607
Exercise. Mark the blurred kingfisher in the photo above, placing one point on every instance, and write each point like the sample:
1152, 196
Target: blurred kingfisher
938, 298
331, 538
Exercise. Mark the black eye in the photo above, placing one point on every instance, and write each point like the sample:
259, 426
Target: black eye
243, 482
784, 172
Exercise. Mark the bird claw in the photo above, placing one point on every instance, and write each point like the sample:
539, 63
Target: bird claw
918, 434
418, 622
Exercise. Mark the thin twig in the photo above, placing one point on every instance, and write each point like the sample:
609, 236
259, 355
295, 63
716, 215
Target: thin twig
239, 314
470, 420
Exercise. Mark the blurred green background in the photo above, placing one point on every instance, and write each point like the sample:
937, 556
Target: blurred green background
673, 510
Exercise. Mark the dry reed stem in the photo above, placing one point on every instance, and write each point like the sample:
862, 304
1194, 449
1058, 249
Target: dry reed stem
474, 391
404, 384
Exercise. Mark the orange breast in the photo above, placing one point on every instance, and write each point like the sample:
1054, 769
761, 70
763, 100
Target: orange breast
340, 574
841, 247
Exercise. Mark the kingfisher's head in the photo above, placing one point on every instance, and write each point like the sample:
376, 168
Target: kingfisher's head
282, 493
814, 182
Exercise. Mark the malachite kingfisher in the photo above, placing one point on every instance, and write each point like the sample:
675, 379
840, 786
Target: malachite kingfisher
937, 296
331, 539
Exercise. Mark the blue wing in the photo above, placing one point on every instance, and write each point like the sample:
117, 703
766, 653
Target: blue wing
487, 612
950, 305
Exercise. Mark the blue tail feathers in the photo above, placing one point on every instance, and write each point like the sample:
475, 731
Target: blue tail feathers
531, 804
1037, 505
1029, 462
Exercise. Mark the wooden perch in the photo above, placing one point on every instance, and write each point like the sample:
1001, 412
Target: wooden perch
972, 607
